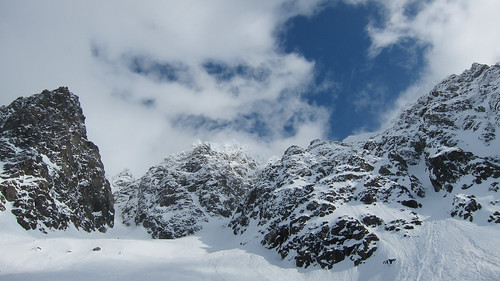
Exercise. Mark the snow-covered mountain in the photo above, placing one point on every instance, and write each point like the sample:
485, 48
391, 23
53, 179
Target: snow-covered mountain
49, 171
416, 201
176, 197
333, 201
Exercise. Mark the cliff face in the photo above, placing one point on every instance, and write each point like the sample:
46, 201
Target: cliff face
51, 173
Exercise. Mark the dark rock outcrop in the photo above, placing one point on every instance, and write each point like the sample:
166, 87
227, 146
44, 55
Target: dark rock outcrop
51, 173
464, 206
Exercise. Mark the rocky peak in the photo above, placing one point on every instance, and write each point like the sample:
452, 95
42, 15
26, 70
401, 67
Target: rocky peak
52, 174
462, 104
176, 197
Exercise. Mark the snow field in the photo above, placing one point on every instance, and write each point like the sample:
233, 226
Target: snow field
442, 249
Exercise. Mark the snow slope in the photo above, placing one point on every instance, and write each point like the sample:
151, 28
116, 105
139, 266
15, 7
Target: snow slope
442, 249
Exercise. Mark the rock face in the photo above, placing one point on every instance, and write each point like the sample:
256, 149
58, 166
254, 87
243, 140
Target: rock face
176, 197
331, 201
52, 175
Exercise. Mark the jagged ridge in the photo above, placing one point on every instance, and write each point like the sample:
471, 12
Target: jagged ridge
332, 201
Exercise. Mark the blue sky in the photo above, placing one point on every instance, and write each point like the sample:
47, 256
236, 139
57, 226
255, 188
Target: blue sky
362, 86
157, 76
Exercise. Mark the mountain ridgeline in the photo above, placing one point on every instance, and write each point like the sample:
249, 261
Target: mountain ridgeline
328, 203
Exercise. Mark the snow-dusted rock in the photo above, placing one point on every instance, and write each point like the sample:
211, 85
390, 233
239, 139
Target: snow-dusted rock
176, 197
49, 170
330, 202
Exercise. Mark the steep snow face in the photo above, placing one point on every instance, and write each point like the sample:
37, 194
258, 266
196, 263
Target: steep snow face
176, 197
340, 201
50, 172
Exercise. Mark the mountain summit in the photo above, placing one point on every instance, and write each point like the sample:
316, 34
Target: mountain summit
176, 197
50, 172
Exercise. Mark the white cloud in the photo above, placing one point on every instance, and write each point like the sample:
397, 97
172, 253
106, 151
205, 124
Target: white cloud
131, 112
372, 99
455, 34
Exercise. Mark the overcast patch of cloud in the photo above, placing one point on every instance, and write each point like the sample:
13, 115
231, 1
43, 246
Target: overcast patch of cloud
140, 69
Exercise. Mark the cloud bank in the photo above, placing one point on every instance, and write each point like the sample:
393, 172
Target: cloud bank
154, 77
